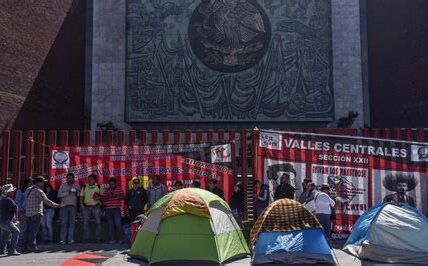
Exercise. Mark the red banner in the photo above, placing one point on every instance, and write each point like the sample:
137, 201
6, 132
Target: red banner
361, 172
184, 162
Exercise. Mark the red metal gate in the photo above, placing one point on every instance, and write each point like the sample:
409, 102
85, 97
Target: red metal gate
26, 153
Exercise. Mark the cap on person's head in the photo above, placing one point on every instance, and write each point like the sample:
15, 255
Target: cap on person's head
93, 176
7, 188
112, 180
70, 175
178, 182
325, 187
39, 179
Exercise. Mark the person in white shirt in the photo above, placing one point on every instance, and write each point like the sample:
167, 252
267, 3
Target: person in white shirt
323, 205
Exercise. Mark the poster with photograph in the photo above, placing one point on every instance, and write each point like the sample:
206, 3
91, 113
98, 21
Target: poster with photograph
360, 172
398, 186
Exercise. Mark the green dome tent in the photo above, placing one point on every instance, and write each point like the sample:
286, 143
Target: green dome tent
189, 225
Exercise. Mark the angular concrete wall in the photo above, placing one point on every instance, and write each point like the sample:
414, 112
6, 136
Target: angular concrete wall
28, 30
108, 66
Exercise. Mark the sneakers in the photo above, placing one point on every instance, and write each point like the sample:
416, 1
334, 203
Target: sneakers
71, 242
62, 242
111, 242
13, 253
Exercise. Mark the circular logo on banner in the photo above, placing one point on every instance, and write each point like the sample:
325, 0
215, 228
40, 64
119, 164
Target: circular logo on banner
229, 35
60, 157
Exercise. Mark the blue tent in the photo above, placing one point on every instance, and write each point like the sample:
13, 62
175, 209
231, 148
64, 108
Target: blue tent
390, 233
287, 233
296, 247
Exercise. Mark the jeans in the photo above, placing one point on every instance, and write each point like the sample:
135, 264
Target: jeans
8, 229
259, 211
237, 214
47, 227
88, 212
22, 241
114, 221
325, 221
33, 224
68, 218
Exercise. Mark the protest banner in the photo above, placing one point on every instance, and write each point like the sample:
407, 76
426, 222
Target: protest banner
184, 162
361, 172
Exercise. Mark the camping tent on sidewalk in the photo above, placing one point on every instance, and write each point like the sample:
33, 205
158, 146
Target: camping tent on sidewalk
390, 233
189, 226
287, 233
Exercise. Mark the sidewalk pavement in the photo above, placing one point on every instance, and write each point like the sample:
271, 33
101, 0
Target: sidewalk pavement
113, 254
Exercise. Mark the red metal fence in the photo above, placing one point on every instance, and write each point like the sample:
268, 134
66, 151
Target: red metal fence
26, 153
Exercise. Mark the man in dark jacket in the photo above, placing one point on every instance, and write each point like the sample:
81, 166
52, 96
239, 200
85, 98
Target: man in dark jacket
8, 211
136, 199
213, 188
284, 190
237, 202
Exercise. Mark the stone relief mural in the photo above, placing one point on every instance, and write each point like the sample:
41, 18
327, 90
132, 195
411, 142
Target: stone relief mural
229, 60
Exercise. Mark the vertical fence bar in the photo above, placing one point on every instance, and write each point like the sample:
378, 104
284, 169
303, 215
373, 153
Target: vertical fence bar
255, 136
75, 138
5, 157
143, 135
176, 136
221, 136
109, 137
121, 138
199, 136
86, 138
40, 160
165, 137
29, 139
63, 138
210, 136
132, 137
17, 146
98, 138
232, 136
397, 133
187, 136
52, 140
243, 154
154, 135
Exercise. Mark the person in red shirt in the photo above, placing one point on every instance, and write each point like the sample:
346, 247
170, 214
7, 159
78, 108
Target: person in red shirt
112, 198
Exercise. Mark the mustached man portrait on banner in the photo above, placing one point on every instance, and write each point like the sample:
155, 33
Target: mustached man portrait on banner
400, 184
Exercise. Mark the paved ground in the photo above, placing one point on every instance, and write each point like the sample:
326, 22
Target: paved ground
111, 255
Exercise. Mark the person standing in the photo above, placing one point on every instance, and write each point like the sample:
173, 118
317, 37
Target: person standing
304, 195
262, 197
34, 199
309, 201
49, 213
20, 201
284, 190
213, 188
196, 183
237, 202
112, 198
8, 212
68, 193
178, 185
90, 203
323, 205
156, 191
135, 199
